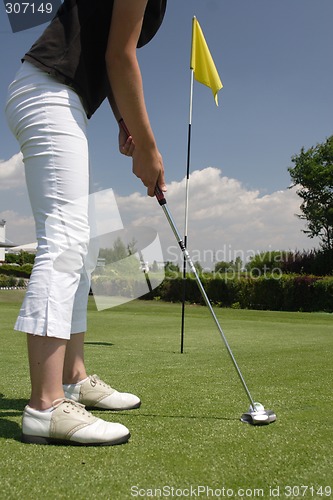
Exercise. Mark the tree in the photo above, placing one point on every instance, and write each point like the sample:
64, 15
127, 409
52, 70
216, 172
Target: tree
131, 247
198, 267
224, 267
238, 264
116, 253
264, 262
21, 258
313, 175
154, 267
170, 267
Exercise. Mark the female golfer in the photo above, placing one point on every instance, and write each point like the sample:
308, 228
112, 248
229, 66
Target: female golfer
86, 54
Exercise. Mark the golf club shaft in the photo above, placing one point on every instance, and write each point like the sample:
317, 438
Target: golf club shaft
162, 201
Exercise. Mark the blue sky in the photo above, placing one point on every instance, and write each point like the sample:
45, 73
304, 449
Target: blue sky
274, 59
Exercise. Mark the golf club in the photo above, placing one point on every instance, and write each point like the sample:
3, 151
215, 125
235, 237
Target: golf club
257, 415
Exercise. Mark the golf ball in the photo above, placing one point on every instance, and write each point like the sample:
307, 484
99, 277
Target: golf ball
258, 407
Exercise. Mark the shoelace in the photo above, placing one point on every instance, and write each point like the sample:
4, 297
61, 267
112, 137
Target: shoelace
94, 380
77, 406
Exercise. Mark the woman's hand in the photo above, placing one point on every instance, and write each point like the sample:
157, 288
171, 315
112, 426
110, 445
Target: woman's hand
148, 166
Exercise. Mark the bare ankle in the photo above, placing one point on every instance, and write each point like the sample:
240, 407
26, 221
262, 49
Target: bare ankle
41, 404
74, 377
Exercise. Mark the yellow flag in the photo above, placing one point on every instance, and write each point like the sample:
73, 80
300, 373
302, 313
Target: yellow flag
202, 63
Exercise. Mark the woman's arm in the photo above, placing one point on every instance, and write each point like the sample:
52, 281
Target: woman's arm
126, 83
125, 141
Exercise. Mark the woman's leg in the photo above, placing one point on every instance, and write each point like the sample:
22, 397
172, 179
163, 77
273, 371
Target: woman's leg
46, 355
50, 124
74, 368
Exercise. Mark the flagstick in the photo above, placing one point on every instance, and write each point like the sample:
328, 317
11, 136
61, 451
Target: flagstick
204, 70
186, 211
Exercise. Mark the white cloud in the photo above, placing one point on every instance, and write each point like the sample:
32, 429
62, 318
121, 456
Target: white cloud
225, 218
12, 173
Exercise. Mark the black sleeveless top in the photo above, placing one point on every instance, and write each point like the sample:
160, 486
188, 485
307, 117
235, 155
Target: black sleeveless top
72, 48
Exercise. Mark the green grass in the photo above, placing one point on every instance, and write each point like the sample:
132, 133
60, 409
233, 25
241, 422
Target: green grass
187, 432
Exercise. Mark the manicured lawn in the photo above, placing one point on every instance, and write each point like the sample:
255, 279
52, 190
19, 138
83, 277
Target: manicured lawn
187, 433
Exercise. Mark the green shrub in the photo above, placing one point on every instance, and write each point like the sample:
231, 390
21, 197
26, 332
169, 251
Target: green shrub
272, 292
323, 295
261, 293
18, 271
223, 292
7, 281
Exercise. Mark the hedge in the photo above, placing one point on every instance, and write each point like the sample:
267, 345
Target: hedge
276, 293
17, 271
11, 282
279, 293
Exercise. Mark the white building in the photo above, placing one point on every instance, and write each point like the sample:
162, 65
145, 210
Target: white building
2, 239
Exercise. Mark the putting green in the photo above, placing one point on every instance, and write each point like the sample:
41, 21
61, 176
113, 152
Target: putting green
187, 438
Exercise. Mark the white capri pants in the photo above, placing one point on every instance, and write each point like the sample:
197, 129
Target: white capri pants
49, 122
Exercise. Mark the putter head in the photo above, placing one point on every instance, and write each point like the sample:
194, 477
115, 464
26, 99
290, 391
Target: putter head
258, 415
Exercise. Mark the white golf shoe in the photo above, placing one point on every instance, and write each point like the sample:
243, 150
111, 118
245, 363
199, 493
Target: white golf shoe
94, 393
70, 423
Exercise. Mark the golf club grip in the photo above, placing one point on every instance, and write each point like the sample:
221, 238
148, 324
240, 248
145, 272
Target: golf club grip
160, 196
158, 192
